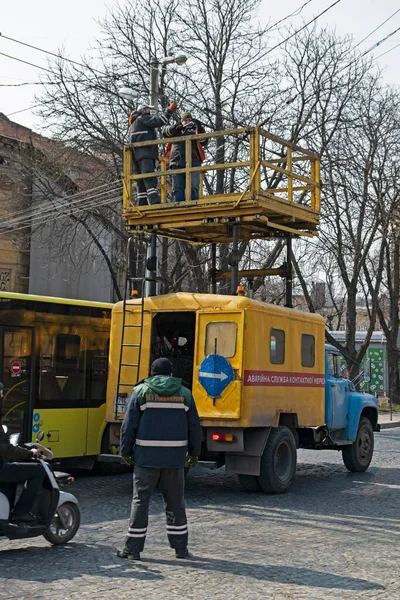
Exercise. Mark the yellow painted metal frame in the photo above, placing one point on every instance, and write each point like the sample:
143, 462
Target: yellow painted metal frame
261, 211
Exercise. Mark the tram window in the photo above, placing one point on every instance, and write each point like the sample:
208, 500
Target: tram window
62, 373
307, 350
97, 372
277, 347
221, 338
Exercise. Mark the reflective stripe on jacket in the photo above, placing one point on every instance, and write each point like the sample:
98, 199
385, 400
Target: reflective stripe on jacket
161, 424
143, 129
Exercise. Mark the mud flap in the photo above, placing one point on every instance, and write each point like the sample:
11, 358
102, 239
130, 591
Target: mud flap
248, 461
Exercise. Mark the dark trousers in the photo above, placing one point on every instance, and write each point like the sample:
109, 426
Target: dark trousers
179, 185
172, 485
147, 188
31, 475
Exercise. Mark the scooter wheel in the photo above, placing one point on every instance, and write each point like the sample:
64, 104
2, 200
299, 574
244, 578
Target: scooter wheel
64, 525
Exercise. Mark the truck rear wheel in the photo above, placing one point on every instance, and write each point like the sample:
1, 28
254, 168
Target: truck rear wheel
278, 462
357, 456
249, 483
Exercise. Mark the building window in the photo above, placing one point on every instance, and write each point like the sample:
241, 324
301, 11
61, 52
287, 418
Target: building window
277, 347
221, 338
307, 350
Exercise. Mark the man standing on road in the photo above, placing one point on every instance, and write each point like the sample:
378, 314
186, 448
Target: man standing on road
160, 427
143, 129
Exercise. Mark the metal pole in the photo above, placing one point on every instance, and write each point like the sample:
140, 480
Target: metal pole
235, 266
213, 268
152, 249
289, 277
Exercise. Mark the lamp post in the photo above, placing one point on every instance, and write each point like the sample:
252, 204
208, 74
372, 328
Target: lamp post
152, 250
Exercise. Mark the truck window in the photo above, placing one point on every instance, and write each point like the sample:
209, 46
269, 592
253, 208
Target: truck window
307, 350
333, 365
221, 338
277, 347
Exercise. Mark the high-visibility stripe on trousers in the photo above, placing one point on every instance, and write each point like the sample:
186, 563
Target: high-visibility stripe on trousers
172, 484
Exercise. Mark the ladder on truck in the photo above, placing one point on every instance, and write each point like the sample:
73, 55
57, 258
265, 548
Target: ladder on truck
131, 338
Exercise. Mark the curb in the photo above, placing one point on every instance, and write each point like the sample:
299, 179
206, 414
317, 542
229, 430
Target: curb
389, 425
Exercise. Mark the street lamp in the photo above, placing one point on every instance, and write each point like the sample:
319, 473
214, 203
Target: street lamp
155, 63
128, 93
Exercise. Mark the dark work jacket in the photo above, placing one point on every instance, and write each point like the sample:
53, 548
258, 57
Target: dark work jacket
161, 424
177, 157
143, 129
10, 453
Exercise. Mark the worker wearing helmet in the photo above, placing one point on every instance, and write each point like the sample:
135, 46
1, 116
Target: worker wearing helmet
143, 129
177, 155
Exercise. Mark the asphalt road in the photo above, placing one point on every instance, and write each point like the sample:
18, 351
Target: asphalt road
336, 535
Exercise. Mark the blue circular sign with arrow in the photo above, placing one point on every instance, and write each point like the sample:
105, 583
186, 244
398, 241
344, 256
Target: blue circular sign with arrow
215, 374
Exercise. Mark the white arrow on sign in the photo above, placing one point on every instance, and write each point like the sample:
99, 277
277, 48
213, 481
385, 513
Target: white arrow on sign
221, 376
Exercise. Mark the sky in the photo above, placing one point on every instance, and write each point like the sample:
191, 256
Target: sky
72, 26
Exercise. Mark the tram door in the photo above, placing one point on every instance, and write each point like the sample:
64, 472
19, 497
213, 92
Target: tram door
16, 374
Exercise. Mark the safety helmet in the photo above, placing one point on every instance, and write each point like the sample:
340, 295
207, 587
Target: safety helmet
142, 107
185, 116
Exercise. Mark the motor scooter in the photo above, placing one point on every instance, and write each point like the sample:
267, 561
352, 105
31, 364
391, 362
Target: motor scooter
58, 511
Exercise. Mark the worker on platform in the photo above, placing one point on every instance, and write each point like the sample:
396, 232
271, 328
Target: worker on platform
177, 155
143, 129
161, 430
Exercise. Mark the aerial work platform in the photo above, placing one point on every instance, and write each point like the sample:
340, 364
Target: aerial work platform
269, 189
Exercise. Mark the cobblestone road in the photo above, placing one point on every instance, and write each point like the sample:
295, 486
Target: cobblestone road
335, 535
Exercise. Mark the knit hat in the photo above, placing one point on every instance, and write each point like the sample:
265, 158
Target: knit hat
161, 366
186, 115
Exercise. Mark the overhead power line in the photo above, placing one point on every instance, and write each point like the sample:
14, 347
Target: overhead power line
74, 62
376, 29
25, 62
293, 14
16, 112
387, 51
82, 200
260, 57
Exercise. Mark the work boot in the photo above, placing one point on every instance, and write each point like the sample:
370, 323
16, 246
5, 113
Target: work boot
128, 555
183, 553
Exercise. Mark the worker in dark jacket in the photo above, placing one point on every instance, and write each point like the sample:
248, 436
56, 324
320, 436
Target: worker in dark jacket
15, 469
161, 426
143, 129
177, 155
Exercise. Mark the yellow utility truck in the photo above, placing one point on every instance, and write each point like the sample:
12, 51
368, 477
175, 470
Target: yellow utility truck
263, 381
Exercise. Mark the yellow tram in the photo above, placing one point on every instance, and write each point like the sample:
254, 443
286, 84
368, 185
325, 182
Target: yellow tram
53, 364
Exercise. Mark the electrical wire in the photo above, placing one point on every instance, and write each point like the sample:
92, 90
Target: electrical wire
60, 215
74, 62
376, 29
74, 197
83, 203
260, 57
387, 51
16, 112
293, 14
25, 62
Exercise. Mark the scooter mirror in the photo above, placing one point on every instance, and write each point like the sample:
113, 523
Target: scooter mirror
40, 436
5, 428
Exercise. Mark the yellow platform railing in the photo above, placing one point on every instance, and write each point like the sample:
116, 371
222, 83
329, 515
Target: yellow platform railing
269, 167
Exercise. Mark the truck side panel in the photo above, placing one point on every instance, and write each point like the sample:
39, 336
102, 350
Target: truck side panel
279, 380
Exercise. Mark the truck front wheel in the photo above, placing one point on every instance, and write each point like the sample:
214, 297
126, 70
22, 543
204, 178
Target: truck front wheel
278, 461
358, 455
